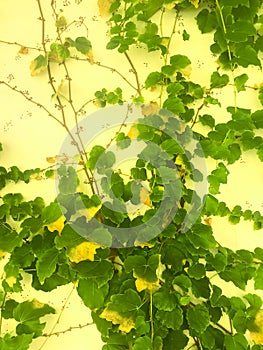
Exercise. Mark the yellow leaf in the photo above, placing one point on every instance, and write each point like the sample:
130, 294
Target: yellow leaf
23, 50
186, 71
58, 225
11, 280
257, 336
142, 245
104, 6
141, 285
83, 251
151, 108
125, 324
145, 197
38, 65
58, 92
90, 57
133, 132
37, 304
89, 212
179, 160
2, 254
195, 3
52, 160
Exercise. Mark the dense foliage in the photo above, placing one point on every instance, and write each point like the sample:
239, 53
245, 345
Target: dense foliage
155, 289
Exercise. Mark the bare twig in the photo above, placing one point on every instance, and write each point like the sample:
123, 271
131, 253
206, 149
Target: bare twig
134, 72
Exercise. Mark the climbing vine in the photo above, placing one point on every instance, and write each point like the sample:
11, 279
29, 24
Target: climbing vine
151, 279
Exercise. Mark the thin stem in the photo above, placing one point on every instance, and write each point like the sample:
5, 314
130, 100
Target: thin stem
60, 105
58, 319
67, 330
228, 52
30, 99
1, 310
151, 315
134, 72
197, 114
113, 70
21, 45
168, 46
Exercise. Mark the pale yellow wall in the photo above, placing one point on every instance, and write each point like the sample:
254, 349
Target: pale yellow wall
29, 136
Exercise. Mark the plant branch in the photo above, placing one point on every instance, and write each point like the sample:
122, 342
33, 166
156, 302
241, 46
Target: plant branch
134, 71
58, 319
1, 310
21, 45
67, 330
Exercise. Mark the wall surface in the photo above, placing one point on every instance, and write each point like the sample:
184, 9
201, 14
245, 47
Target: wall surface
29, 136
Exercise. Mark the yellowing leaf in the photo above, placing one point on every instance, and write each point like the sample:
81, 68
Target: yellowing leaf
195, 3
89, 212
58, 92
58, 225
23, 50
179, 160
258, 336
104, 6
151, 108
186, 71
145, 197
38, 65
37, 304
83, 251
90, 57
142, 245
141, 285
133, 132
52, 160
2, 254
125, 324
11, 280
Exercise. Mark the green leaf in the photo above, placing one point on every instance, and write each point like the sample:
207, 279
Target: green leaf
51, 213
235, 3
129, 302
9, 239
170, 319
19, 342
207, 119
94, 155
240, 82
197, 271
206, 21
153, 79
28, 314
201, 235
68, 180
174, 104
46, 264
99, 271
164, 300
92, 295
236, 341
218, 81
141, 268
38, 65
259, 278
240, 321
238, 274
246, 56
58, 53
218, 176
198, 318
183, 282
240, 30
179, 62
142, 343
185, 35
176, 340
257, 118
8, 308
82, 44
